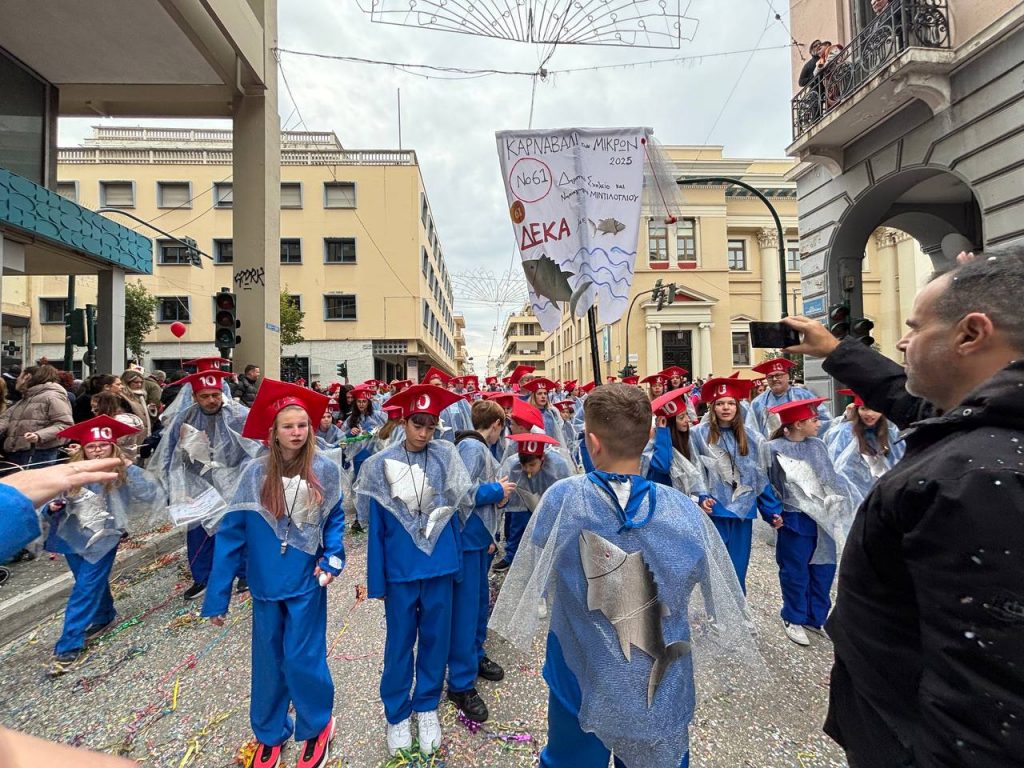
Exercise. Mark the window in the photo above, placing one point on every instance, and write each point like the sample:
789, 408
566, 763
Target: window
172, 252
657, 241
424, 211
173, 194
340, 250
738, 255
295, 299
117, 194
291, 194
424, 261
52, 310
339, 194
223, 251
291, 251
173, 309
740, 348
686, 241
68, 189
340, 307
426, 314
223, 194
792, 256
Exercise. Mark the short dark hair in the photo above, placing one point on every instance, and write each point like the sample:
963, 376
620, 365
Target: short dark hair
992, 284
620, 416
423, 419
250, 368
485, 413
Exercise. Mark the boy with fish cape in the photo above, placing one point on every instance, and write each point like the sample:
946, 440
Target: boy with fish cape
618, 560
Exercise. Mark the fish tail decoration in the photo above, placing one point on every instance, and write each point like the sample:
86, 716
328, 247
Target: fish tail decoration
662, 662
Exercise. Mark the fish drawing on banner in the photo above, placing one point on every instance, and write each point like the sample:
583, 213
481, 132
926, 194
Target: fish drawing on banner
574, 199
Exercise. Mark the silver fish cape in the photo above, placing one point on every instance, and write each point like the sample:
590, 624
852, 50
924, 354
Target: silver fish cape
196, 445
409, 485
721, 464
94, 518
622, 587
549, 280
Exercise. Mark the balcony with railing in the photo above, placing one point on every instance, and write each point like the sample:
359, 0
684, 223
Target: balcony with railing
904, 53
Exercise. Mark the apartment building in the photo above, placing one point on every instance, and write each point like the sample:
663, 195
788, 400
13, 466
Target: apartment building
522, 344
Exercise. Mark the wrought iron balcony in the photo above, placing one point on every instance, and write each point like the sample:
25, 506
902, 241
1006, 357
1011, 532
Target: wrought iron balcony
903, 24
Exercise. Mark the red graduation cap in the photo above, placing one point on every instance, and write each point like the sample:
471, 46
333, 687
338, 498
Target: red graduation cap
400, 384
674, 370
504, 399
857, 399
671, 403
519, 372
208, 363
526, 415
100, 429
587, 387
533, 385
373, 383
362, 392
654, 378
394, 412
775, 365
436, 373
798, 410
204, 381
491, 381
634, 380
274, 396
471, 382
565, 405
569, 386
531, 443
610, 379
714, 389
423, 398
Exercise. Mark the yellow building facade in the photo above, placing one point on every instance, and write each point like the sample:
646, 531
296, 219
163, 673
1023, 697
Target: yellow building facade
722, 255
523, 343
360, 253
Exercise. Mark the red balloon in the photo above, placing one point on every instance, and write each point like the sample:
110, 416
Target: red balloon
178, 329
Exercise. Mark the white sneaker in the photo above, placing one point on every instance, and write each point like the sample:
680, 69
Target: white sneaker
399, 736
429, 731
820, 631
542, 610
796, 633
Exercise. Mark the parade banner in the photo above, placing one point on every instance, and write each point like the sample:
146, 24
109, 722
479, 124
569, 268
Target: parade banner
574, 197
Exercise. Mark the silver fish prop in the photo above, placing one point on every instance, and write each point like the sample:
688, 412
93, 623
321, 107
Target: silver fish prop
552, 282
720, 463
811, 497
622, 587
605, 227
531, 500
92, 514
196, 445
409, 485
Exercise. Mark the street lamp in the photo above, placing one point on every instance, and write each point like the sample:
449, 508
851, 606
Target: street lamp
660, 294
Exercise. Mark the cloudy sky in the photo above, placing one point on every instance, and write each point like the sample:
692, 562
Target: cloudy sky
740, 101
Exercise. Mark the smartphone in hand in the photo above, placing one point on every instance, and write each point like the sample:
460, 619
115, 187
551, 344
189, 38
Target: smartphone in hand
772, 335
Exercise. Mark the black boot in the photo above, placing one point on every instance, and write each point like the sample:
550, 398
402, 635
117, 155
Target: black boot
471, 704
490, 670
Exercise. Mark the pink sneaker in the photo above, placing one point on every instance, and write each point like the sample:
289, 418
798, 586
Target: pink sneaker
266, 756
317, 752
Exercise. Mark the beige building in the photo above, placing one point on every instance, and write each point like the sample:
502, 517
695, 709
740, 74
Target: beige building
722, 256
359, 251
522, 344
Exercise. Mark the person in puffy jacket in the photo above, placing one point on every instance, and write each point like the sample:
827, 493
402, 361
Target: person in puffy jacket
30, 426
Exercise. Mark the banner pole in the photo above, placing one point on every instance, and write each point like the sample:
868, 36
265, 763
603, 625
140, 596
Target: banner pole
595, 358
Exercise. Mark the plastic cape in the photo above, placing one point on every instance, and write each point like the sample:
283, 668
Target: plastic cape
457, 417
529, 489
302, 525
482, 468
94, 519
184, 399
843, 436
422, 489
511, 450
698, 601
735, 481
804, 479
330, 437
553, 423
370, 423
687, 477
768, 422
200, 459
863, 471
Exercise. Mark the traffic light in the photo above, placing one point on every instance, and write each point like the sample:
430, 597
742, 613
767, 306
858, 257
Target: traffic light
839, 320
74, 326
627, 370
861, 329
343, 370
225, 320
193, 251
670, 294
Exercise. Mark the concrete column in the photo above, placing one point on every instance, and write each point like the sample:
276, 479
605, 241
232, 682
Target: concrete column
110, 351
888, 322
256, 214
705, 364
652, 357
771, 303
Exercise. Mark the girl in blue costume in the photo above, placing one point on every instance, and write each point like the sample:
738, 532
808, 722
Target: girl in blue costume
540, 399
86, 526
670, 459
866, 447
610, 552
737, 484
327, 431
416, 496
286, 521
817, 511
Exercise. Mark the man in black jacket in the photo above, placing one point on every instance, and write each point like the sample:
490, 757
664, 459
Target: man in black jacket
807, 72
928, 625
247, 385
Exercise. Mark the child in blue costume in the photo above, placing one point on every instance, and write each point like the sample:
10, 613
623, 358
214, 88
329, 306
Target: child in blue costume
539, 388
669, 458
327, 431
777, 372
817, 512
467, 659
86, 526
286, 520
875, 435
416, 495
617, 559
737, 484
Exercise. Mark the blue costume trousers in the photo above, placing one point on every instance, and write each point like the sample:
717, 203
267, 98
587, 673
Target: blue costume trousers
570, 747
199, 545
415, 610
515, 527
90, 601
805, 587
289, 664
736, 534
470, 601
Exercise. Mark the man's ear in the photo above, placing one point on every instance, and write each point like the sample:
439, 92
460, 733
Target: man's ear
593, 444
974, 333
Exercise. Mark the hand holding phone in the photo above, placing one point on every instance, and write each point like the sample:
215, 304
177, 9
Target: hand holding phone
772, 335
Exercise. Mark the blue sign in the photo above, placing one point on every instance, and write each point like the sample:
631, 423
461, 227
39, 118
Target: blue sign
815, 306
